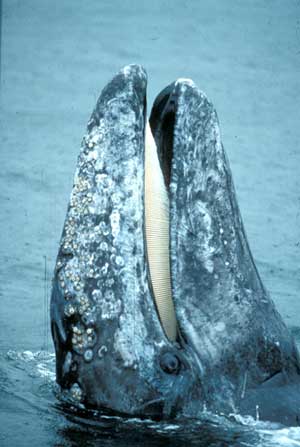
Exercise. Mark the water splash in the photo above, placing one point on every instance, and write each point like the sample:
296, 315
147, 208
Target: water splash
39, 363
32, 381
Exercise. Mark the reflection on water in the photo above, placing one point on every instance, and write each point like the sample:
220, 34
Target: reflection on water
28, 389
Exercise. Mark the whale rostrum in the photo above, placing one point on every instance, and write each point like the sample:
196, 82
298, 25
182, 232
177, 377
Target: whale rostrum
157, 307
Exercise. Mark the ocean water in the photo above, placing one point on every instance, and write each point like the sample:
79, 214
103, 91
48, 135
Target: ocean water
55, 59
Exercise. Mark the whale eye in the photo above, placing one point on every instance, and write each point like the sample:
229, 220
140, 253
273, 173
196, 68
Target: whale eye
170, 363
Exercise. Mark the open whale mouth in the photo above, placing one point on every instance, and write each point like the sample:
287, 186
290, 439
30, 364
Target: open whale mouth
156, 303
112, 305
131, 265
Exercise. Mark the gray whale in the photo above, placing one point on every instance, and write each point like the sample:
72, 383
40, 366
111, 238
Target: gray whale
233, 352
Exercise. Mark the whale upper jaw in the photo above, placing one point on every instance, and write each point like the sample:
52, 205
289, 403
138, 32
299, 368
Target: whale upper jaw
111, 349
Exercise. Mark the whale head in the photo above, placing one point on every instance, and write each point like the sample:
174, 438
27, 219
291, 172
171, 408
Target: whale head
113, 348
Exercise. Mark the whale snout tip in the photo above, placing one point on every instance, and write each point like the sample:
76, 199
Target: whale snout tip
186, 86
127, 86
185, 81
134, 71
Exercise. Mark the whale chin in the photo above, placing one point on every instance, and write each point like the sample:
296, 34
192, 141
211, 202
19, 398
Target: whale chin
157, 308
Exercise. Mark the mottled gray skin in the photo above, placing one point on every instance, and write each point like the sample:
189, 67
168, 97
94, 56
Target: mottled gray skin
233, 351
107, 335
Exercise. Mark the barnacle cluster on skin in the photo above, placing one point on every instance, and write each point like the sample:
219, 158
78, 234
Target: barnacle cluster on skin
83, 338
76, 392
88, 257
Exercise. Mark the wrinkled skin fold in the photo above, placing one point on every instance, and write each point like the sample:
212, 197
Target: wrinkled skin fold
233, 351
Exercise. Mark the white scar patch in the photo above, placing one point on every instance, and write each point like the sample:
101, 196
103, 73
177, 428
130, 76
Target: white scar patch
157, 236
